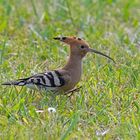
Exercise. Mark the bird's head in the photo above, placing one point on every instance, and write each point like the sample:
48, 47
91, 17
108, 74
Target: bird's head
78, 46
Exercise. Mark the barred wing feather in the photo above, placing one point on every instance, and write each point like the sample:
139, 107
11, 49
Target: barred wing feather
49, 80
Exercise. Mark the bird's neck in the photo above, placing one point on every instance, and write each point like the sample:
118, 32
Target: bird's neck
74, 63
74, 69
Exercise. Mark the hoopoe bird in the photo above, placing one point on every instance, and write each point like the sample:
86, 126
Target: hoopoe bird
64, 79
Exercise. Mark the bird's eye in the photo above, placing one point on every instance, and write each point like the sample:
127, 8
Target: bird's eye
82, 47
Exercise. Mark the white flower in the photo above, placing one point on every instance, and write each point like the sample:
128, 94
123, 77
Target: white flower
39, 111
51, 110
102, 132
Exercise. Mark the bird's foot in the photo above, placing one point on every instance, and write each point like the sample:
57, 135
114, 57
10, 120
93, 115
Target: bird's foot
71, 92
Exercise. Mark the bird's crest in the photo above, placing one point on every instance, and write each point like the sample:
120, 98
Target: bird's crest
70, 40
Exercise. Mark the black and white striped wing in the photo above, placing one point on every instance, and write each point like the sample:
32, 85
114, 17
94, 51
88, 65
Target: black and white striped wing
49, 81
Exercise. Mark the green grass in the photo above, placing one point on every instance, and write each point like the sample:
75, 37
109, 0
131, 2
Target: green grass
110, 96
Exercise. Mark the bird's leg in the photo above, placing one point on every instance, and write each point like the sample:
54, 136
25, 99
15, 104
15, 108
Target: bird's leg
72, 91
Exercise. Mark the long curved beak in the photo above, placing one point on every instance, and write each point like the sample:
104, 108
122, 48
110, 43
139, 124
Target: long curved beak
97, 52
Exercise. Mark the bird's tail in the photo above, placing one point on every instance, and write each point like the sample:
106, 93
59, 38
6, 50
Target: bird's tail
20, 82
